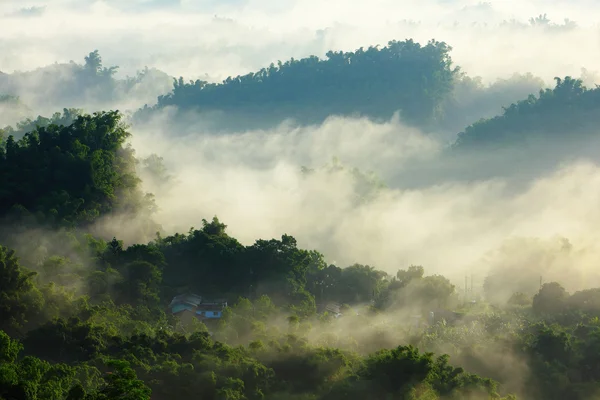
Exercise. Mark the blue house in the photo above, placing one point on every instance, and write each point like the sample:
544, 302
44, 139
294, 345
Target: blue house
192, 305
210, 310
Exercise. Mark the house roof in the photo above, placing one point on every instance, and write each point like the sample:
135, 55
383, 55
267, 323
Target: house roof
188, 298
197, 303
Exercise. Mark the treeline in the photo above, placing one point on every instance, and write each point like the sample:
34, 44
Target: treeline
69, 175
85, 319
110, 309
91, 313
27, 125
565, 113
79, 361
376, 82
419, 81
94, 326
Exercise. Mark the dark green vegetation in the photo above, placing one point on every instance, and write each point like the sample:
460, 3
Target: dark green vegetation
85, 317
69, 175
418, 81
568, 111
375, 82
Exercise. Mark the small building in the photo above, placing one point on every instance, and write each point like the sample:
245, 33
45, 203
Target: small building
210, 310
187, 306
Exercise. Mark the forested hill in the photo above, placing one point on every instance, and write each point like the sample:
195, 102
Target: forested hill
68, 171
84, 318
375, 82
88, 318
568, 112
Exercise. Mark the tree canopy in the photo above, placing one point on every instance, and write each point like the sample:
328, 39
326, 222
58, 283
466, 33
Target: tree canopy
402, 76
568, 109
86, 316
69, 174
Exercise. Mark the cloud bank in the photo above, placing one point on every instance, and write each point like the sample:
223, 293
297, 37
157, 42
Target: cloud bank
448, 223
195, 38
252, 179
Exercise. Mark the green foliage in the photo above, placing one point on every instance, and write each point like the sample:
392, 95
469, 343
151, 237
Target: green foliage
122, 383
9, 348
376, 82
18, 296
123, 347
91, 315
410, 290
67, 117
209, 261
471, 99
404, 373
552, 298
69, 175
141, 283
569, 107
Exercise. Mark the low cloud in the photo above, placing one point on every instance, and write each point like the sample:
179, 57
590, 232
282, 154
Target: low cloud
451, 225
191, 39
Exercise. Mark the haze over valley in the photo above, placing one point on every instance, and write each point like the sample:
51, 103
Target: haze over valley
250, 199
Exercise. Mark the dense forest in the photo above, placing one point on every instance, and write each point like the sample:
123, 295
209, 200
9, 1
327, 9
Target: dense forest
375, 82
88, 318
568, 109
85, 315
419, 81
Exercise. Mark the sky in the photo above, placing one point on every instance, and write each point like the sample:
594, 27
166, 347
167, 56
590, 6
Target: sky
215, 39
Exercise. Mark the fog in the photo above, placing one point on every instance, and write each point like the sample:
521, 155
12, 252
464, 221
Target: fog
42, 41
444, 213
199, 38
379, 193
436, 211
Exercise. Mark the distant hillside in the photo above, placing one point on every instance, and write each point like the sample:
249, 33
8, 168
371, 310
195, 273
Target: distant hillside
419, 81
570, 110
90, 85
472, 100
375, 82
